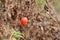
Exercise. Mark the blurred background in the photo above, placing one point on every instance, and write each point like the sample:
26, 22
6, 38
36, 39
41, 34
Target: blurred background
56, 5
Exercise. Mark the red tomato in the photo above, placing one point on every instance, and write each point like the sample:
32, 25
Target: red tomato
23, 21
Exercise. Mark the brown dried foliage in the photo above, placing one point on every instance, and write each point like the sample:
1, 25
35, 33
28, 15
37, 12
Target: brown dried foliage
41, 26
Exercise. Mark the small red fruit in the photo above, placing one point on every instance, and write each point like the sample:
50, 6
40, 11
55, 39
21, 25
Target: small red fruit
23, 21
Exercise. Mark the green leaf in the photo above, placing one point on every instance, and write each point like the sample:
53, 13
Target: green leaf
40, 4
5, 39
18, 34
14, 38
